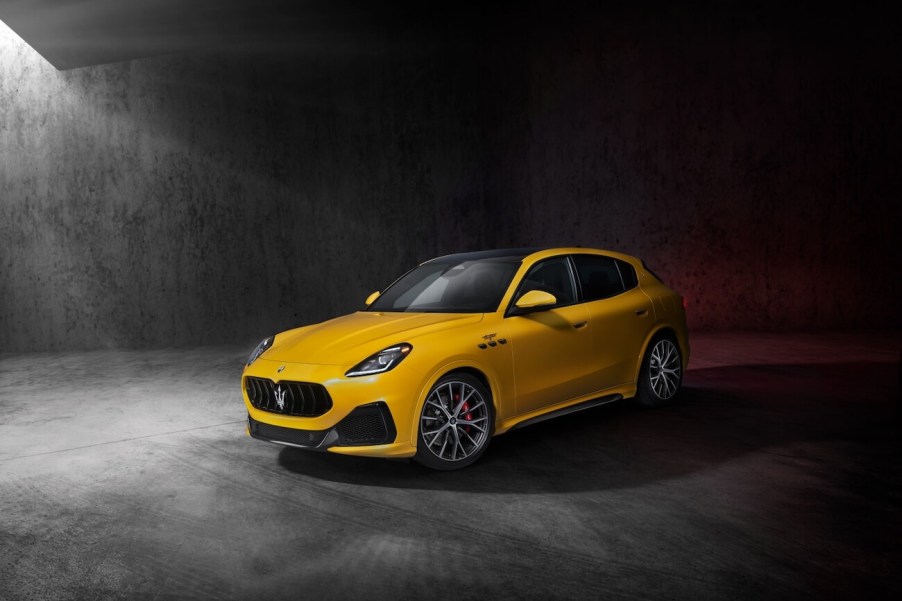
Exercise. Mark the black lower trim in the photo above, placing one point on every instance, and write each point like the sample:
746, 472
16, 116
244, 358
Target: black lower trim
571, 409
289, 436
369, 424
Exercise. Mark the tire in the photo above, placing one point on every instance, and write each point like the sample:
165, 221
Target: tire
455, 424
661, 374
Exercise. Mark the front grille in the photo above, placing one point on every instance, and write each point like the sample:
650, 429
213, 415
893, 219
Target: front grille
305, 438
367, 425
303, 399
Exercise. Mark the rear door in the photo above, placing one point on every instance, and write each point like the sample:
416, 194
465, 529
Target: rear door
620, 316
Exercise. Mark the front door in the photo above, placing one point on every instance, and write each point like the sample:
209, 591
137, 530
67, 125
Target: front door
551, 348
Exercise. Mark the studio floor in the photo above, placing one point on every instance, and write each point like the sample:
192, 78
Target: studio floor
127, 475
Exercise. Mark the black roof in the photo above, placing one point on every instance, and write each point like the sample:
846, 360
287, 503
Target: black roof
512, 254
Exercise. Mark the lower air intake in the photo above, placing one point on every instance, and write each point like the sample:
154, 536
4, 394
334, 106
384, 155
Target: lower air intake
292, 436
367, 425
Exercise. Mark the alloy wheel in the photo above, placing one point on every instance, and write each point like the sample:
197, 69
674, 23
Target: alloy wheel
665, 369
454, 422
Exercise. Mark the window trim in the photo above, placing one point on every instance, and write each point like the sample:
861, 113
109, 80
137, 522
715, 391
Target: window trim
620, 275
635, 275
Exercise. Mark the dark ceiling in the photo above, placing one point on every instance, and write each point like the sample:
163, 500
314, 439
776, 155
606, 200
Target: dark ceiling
78, 33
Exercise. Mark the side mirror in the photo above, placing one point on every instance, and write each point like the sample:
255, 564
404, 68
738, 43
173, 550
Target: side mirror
535, 300
372, 298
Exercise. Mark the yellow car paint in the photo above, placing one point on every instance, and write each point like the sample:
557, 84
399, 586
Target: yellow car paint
549, 359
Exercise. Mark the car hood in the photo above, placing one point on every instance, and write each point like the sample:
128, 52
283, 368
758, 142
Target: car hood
352, 338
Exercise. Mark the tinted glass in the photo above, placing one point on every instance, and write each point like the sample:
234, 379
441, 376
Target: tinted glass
552, 276
449, 287
598, 276
628, 274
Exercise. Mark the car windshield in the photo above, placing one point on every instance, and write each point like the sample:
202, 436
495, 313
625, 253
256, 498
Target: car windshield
450, 287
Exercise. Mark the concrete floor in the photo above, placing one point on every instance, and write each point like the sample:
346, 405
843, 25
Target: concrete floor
127, 475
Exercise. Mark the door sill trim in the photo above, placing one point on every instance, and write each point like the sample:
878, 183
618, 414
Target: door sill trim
611, 398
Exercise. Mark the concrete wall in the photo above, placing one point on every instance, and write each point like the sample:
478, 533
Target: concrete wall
751, 157
198, 199
193, 200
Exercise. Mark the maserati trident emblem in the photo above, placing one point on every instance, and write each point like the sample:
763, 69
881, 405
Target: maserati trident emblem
280, 398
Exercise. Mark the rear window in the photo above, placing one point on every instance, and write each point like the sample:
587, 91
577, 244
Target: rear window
599, 276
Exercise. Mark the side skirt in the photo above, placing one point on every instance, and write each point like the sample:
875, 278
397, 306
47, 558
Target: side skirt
567, 410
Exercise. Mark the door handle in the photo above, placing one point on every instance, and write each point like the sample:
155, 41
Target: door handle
641, 312
581, 324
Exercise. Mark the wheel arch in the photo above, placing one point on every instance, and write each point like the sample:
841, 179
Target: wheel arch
660, 331
476, 373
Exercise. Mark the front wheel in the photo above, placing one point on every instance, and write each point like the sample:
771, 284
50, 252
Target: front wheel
661, 374
456, 423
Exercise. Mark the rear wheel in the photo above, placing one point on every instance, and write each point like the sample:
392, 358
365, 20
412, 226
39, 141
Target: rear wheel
455, 424
661, 374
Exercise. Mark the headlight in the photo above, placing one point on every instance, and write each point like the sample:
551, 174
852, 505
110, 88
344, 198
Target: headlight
382, 361
261, 348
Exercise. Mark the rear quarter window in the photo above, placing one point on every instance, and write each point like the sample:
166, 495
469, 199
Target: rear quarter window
599, 276
628, 274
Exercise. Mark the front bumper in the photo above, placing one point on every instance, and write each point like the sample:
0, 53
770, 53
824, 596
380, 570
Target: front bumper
391, 391
367, 425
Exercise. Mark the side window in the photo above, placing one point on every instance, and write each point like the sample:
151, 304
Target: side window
599, 276
628, 273
552, 276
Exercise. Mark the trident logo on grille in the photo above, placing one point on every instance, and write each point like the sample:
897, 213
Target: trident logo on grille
280, 398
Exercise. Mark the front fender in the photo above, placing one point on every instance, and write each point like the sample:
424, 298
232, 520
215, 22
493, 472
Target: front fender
496, 389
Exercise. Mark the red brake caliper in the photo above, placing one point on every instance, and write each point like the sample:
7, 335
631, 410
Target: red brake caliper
465, 410
467, 415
